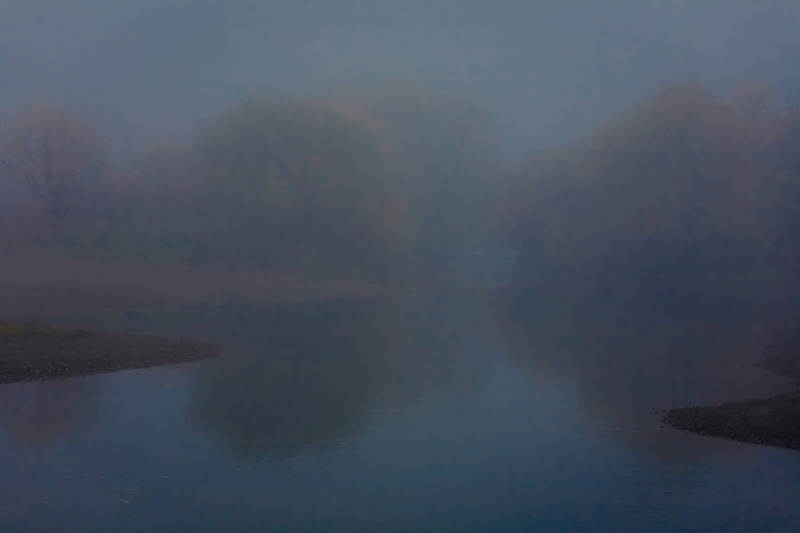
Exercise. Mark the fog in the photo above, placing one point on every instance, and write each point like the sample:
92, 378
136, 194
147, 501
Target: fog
479, 240
644, 153
550, 70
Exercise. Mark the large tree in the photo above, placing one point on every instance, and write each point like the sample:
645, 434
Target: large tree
53, 154
684, 189
290, 178
444, 146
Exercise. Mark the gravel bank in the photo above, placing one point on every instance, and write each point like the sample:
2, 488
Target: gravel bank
34, 353
771, 421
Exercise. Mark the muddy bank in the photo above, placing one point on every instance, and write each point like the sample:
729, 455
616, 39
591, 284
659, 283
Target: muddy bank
771, 421
34, 353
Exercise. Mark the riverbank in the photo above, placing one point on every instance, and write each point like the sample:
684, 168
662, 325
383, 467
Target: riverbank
31, 352
771, 421
35, 289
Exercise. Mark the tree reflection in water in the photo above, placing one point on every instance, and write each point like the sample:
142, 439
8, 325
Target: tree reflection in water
295, 376
39, 413
303, 377
626, 362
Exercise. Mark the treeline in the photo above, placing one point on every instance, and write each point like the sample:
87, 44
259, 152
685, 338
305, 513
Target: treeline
684, 191
367, 180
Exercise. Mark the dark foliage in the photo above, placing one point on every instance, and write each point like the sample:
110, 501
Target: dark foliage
683, 191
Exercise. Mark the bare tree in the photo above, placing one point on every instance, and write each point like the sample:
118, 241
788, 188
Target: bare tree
52, 153
792, 106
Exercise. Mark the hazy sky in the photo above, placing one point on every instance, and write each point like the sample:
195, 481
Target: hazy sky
144, 69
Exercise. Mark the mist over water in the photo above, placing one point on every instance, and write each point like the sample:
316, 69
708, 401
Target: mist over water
462, 257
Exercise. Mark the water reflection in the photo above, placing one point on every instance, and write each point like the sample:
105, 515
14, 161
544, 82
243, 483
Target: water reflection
398, 414
626, 363
304, 377
39, 413
442, 349
296, 379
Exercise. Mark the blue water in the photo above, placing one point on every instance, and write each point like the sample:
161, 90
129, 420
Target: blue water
431, 415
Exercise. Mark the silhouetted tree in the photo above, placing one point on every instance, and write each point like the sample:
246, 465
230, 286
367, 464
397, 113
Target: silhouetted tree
289, 178
52, 153
683, 189
444, 148
161, 185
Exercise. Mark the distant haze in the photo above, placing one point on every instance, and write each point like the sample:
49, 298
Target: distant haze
550, 70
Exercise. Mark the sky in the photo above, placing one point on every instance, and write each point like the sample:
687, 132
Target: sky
551, 70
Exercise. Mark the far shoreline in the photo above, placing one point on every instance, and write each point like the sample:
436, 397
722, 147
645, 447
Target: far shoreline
36, 289
40, 287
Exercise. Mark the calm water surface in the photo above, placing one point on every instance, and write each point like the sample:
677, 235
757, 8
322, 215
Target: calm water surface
443, 412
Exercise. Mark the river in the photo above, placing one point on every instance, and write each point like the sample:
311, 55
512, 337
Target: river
444, 409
